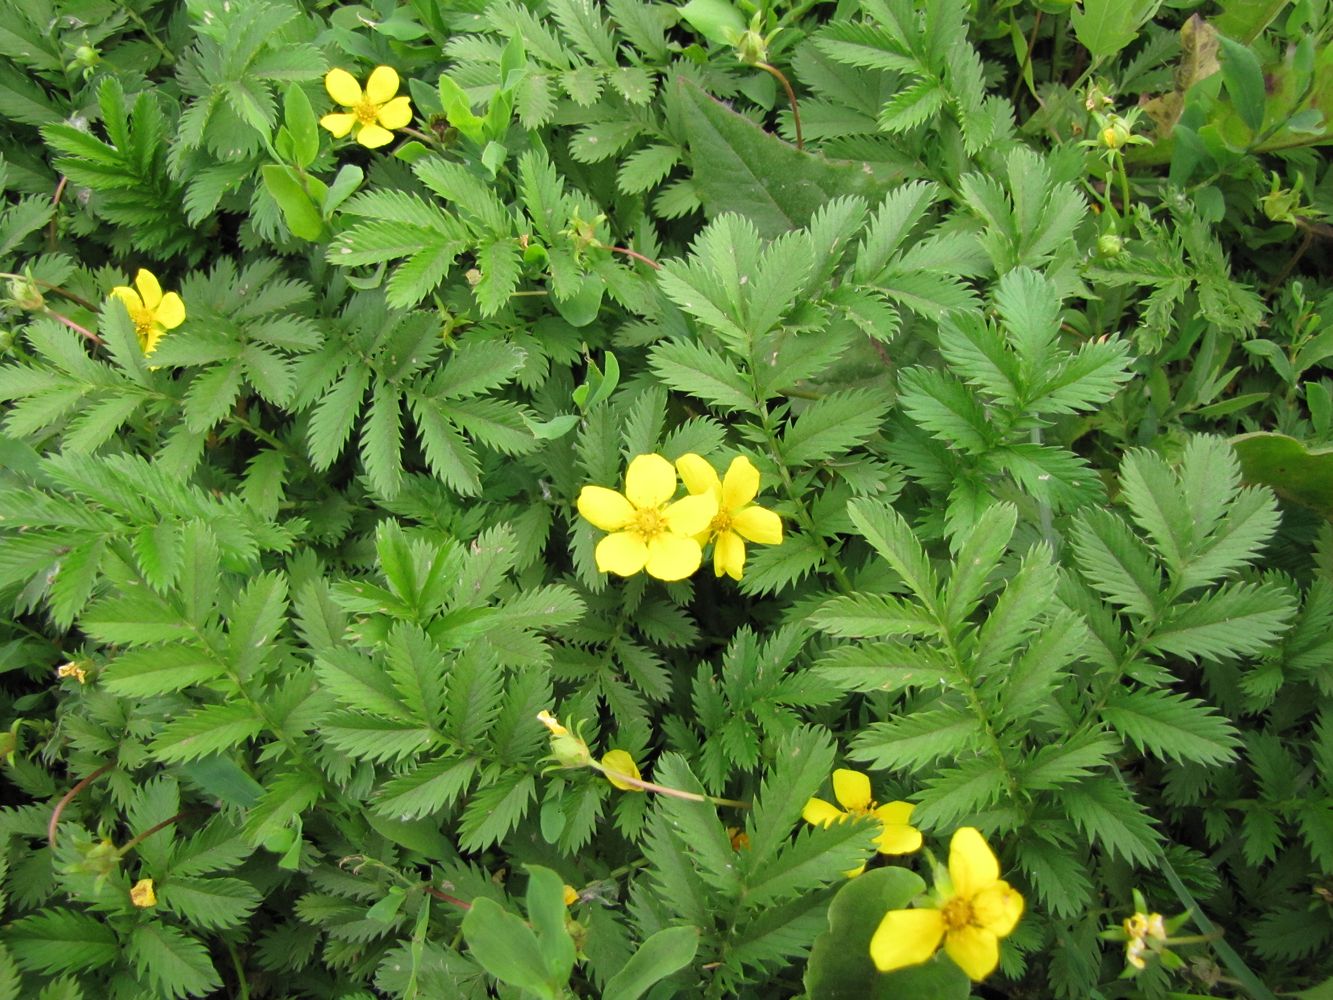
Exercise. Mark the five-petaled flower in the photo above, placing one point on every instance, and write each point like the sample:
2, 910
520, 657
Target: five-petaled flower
152, 312
142, 894
976, 908
852, 790
648, 532
374, 112
737, 518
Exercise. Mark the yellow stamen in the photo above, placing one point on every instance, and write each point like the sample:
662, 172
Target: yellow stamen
366, 113
957, 913
649, 524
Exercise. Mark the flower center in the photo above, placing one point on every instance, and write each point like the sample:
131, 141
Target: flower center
720, 523
366, 112
143, 321
957, 913
649, 523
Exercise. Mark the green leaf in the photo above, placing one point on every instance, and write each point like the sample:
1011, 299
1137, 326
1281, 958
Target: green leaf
1243, 76
144, 673
506, 948
832, 426
663, 953
1171, 726
913, 741
300, 119
299, 210
59, 940
176, 965
738, 167
206, 731
892, 537
1242, 619
1294, 472
691, 367
1107, 26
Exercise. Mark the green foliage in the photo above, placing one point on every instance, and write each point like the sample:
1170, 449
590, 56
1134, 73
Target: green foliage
1020, 313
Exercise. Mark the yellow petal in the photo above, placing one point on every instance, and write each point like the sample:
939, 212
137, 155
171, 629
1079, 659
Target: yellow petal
339, 124
728, 555
142, 894
972, 864
343, 88
605, 509
906, 937
997, 908
396, 113
149, 341
650, 481
382, 85
373, 137
974, 950
898, 838
697, 474
622, 553
621, 762
128, 296
894, 813
741, 483
171, 311
853, 872
822, 813
691, 515
149, 290
758, 525
673, 557
851, 788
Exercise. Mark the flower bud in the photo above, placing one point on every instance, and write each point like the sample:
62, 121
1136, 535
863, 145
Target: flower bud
1109, 245
23, 292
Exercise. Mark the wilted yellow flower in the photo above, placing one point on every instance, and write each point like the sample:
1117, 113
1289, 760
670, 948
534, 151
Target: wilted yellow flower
142, 894
619, 762
852, 790
551, 722
648, 532
72, 670
374, 112
152, 312
976, 909
737, 518
571, 895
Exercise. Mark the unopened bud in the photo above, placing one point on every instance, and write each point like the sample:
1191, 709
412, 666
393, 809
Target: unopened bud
23, 292
1109, 245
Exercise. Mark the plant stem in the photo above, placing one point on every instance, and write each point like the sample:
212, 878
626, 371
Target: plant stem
242, 983
675, 793
51, 233
454, 900
635, 254
167, 58
1027, 60
67, 799
130, 844
94, 338
791, 99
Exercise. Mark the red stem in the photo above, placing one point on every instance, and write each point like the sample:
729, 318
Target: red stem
75, 326
448, 898
68, 798
637, 256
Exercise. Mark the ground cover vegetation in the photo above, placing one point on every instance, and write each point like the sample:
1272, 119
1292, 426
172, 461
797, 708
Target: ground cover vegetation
545, 498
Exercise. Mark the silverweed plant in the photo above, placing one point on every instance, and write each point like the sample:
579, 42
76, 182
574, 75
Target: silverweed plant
646, 499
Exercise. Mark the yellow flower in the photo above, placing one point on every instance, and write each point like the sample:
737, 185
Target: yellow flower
737, 518
571, 895
619, 763
647, 532
72, 670
152, 312
852, 790
142, 895
976, 909
373, 112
